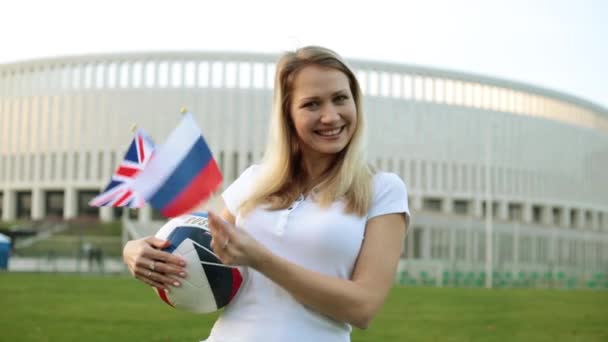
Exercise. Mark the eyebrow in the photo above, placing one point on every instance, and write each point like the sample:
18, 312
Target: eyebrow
339, 92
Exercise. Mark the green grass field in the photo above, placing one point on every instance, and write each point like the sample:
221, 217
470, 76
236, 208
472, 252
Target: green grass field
59, 307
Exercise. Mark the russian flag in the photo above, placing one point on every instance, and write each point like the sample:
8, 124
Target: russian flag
182, 173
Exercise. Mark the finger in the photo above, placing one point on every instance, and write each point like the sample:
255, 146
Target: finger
224, 227
163, 257
158, 243
150, 282
158, 278
170, 269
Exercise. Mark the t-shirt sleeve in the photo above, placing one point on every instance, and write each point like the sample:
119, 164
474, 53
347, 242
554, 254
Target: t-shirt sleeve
390, 196
240, 189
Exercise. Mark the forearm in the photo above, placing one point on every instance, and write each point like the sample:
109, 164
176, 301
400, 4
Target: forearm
341, 299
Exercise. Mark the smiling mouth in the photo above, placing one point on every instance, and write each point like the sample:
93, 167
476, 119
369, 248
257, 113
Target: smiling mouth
330, 132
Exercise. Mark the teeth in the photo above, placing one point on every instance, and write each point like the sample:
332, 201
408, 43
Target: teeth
330, 132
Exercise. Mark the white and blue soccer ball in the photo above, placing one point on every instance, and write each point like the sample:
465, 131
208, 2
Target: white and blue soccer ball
209, 284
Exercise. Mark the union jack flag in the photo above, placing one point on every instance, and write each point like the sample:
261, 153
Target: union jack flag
119, 193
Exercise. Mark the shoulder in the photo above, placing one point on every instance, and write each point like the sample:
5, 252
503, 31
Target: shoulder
389, 194
386, 181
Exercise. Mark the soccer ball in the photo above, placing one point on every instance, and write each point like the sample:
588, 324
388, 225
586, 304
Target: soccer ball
209, 284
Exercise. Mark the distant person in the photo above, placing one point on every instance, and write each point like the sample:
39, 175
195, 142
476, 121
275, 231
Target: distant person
317, 230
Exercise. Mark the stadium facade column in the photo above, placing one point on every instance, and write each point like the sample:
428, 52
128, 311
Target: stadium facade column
106, 214
69, 203
38, 209
579, 219
478, 208
547, 215
9, 208
527, 213
145, 214
447, 205
503, 210
566, 220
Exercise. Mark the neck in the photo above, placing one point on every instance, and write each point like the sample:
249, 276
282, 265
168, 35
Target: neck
314, 168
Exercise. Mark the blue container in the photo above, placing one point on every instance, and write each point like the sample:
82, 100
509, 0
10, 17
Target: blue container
5, 251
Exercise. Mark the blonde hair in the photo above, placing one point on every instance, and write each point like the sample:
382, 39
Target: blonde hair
280, 180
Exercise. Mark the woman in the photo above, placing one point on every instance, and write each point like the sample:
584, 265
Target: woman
317, 232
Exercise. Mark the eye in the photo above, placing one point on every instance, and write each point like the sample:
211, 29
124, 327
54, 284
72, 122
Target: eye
340, 98
311, 105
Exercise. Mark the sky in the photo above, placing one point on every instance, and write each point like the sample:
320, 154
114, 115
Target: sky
557, 44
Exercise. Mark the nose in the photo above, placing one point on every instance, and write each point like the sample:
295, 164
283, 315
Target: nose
330, 114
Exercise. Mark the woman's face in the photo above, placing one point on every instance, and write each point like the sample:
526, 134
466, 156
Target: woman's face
323, 111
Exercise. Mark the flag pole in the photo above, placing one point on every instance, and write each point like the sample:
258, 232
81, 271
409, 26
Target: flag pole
133, 127
183, 111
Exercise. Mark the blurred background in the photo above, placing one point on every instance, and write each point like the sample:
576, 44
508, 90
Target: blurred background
494, 113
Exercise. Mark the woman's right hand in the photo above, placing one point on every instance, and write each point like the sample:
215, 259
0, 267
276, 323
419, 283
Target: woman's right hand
149, 264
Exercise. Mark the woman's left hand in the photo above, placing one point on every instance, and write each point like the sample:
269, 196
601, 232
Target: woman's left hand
232, 244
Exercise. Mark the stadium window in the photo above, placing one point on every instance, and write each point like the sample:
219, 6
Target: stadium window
408, 88
270, 75
588, 219
418, 88
455, 186
396, 85
88, 76
163, 74
99, 71
99, 165
432, 204
53, 165
112, 165
402, 169
423, 175
64, 166
32, 167
537, 214
362, 78
87, 165
235, 165
189, 74
515, 211
42, 166
258, 75
556, 214
137, 70
434, 176
176, 74
150, 74
231, 75
245, 73
461, 206
477, 96
449, 92
203, 75
112, 78
458, 93
24, 204
373, 83
429, 89
439, 90
75, 166
412, 173
385, 84
76, 75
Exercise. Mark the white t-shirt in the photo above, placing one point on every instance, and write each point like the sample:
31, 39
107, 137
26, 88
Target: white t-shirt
325, 240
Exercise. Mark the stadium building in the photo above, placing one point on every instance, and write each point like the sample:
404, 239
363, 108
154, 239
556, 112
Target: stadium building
473, 150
